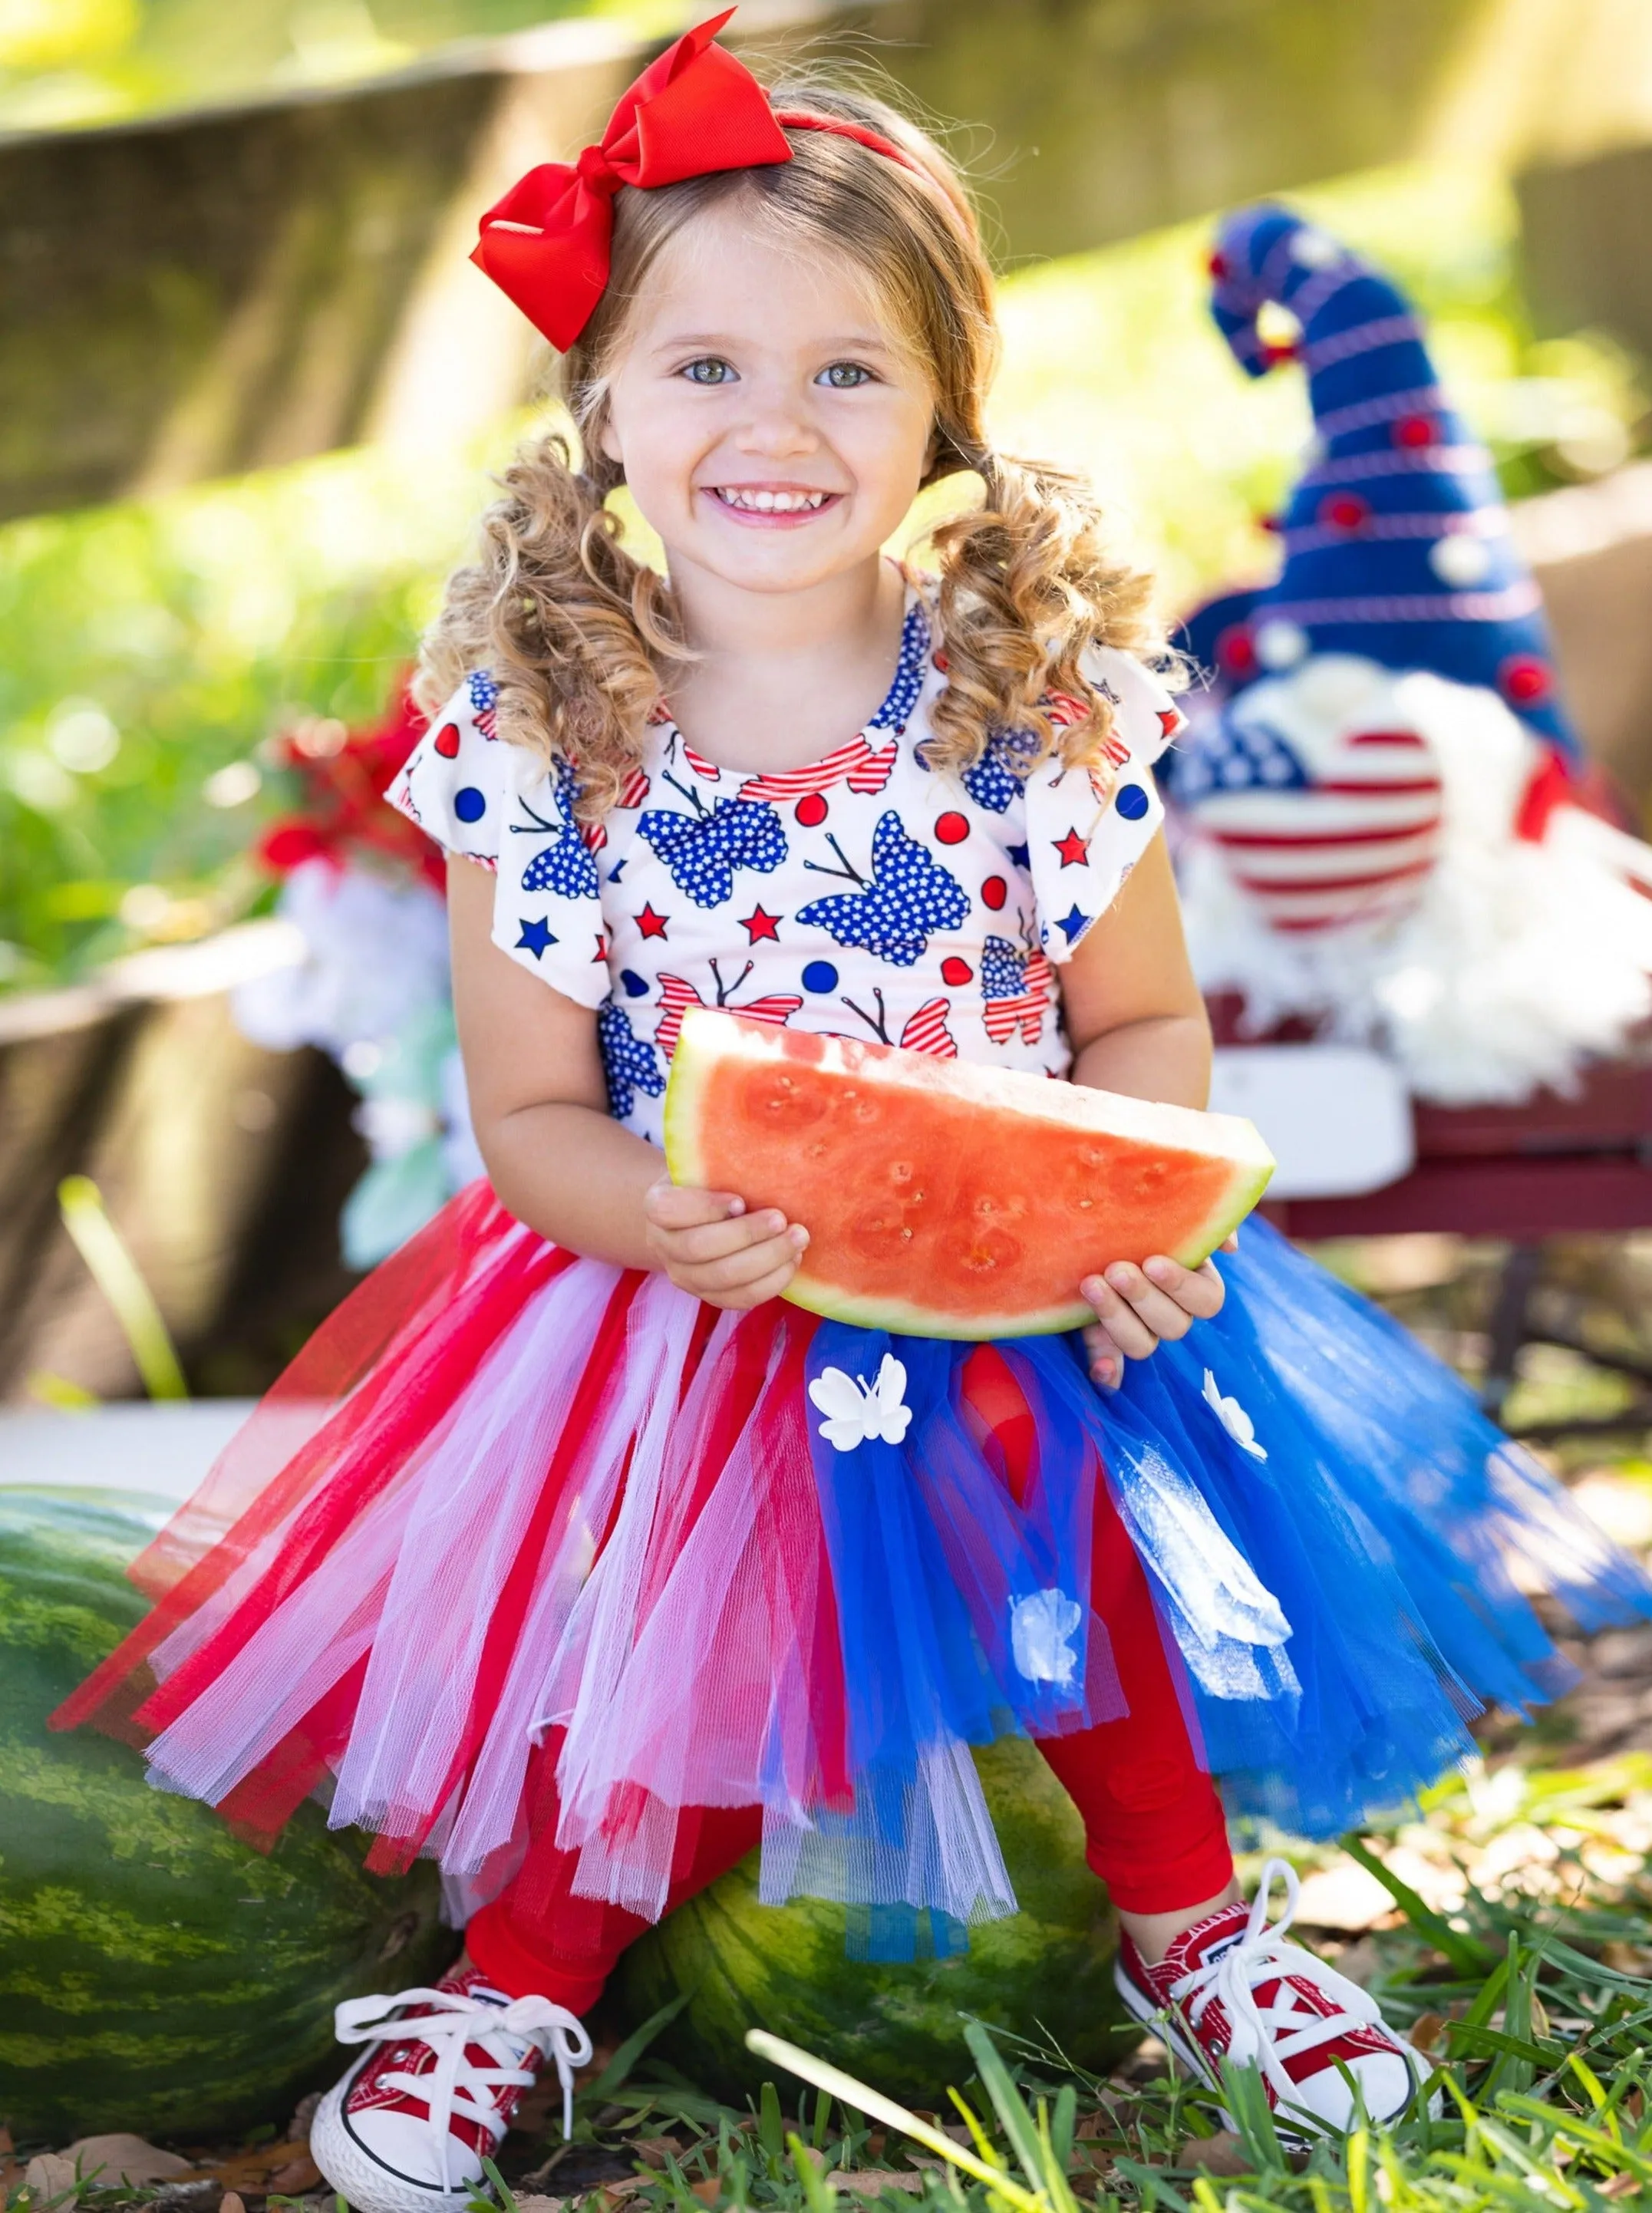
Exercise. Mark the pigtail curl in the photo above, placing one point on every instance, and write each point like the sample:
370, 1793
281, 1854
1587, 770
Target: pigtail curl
1027, 583
572, 627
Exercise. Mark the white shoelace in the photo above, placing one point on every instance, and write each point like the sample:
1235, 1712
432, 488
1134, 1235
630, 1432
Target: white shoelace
456, 2085
1266, 2036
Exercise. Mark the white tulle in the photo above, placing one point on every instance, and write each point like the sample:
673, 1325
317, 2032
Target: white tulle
413, 1579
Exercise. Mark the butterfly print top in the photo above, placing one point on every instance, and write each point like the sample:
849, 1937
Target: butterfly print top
865, 895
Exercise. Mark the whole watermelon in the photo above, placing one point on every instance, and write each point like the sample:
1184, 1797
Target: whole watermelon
155, 1975
1047, 1970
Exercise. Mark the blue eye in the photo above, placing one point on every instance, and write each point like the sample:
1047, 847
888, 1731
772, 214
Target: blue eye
844, 375
708, 370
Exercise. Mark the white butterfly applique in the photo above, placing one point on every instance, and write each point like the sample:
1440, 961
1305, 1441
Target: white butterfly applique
857, 1410
1232, 1418
1038, 1629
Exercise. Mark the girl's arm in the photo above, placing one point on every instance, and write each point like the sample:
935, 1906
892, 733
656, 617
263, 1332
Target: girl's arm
555, 1156
1137, 1024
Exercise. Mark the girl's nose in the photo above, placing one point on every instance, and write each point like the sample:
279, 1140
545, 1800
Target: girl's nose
776, 430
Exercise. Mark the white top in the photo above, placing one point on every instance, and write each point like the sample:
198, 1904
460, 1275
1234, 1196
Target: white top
865, 895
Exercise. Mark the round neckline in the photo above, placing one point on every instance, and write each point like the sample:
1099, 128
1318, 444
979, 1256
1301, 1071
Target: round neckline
884, 724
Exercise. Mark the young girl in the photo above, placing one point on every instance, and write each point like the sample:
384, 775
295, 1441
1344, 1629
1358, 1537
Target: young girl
541, 1559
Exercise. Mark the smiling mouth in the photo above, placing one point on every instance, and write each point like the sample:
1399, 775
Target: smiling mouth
762, 499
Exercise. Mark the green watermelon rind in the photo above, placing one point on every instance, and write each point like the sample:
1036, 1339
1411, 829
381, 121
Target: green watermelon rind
710, 1037
157, 1974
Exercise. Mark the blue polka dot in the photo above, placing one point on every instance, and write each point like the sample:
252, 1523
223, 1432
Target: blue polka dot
820, 976
1131, 801
468, 803
636, 985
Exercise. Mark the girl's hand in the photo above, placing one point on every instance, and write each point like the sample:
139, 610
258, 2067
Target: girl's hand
709, 1245
1138, 1308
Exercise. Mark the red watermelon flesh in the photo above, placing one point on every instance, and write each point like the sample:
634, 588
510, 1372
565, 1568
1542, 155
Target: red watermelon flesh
943, 1198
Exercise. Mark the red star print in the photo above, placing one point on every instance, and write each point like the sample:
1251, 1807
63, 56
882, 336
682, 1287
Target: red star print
601, 953
1074, 850
757, 924
651, 925
1170, 721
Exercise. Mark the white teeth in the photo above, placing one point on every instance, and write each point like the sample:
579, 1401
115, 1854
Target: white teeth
771, 503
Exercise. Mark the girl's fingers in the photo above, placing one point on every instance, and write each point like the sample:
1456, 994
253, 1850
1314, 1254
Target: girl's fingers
715, 1241
1197, 1291
1129, 1333
1154, 1309
736, 1271
1104, 1361
669, 1205
760, 1293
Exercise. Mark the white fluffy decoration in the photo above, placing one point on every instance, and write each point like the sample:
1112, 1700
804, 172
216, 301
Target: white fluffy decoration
373, 992
1517, 962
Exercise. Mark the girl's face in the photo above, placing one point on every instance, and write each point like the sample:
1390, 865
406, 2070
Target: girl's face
773, 428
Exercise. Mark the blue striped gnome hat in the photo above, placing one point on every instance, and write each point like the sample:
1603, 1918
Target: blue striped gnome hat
1397, 542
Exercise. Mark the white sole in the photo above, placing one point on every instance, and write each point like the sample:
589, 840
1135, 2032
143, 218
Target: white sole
1294, 2135
365, 2182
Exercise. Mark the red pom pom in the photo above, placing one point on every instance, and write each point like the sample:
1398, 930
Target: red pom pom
1236, 650
1344, 510
288, 846
1525, 680
1415, 430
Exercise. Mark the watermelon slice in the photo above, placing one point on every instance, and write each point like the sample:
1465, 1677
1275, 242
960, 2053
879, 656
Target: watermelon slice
943, 1198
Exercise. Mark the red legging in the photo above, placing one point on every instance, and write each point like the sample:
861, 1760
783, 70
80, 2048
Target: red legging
1153, 1823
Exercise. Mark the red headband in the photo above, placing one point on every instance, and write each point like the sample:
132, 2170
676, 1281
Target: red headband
693, 110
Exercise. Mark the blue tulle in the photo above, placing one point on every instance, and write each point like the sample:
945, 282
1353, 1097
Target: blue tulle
1340, 1543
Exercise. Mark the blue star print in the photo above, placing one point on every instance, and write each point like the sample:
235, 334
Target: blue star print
902, 695
1073, 924
992, 782
537, 937
703, 851
1003, 970
911, 895
565, 866
631, 1063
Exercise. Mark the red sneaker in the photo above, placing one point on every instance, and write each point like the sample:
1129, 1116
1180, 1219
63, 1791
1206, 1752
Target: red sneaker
408, 2127
1230, 1988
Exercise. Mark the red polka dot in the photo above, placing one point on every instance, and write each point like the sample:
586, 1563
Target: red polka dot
940, 661
810, 810
994, 892
1525, 680
952, 829
447, 741
1217, 266
1236, 650
1414, 430
1344, 510
954, 971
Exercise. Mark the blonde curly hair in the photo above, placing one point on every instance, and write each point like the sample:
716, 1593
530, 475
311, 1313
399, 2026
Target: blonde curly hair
578, 632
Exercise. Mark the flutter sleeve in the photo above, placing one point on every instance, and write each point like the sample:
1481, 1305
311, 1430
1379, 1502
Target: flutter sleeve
1086, 829
488, 801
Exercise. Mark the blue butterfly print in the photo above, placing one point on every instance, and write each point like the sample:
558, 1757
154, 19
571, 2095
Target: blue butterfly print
629, 1064
1004, 969
911, 896
566, 865
993, 783
702, 850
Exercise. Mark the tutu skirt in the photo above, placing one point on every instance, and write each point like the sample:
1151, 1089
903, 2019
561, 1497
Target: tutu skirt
769, 1560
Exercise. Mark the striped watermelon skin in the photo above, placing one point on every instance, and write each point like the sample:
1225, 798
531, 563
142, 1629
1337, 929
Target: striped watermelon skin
1046, 1970
156, 1974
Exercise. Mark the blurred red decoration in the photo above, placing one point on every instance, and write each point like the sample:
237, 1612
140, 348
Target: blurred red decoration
344, 815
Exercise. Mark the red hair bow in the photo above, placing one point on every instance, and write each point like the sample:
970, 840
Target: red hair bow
694, 110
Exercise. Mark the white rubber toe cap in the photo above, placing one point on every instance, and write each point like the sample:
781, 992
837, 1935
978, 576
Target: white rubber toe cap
1386, 2081
389, 2163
